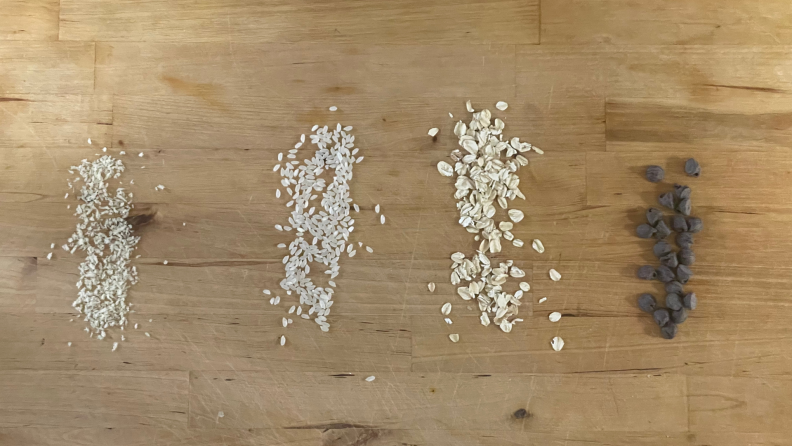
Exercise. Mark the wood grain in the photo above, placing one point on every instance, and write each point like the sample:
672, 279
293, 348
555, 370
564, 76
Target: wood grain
18, 281
306, 70
29, 20
87, 398
666, 22
46, 68
347, 21
50, 122
210, 92
434, 401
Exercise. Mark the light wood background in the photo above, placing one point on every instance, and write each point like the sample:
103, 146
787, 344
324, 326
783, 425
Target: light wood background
210, 91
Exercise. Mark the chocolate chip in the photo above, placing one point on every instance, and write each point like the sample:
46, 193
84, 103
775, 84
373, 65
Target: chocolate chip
695, 224
655, 174
686, 256
654, 215
683, 274
662, 230
667, 200
661, 248
670, 260
664, 274
690, 301
645, 231
692, 168
673, 301
680, 315
684, 240
679, 223
661, 316
647, 272
684, 207
647, 302
669, 330
674, 287
681, 191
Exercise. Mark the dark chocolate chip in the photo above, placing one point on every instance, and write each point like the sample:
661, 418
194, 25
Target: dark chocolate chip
661, 248
667, 200
655, 174
683, 274
669, 330
686, 256
680, 315
674, 287
645, 231
692, 168
647, 302
661, 316
662, 230
695, 224
681, 191
684, 206
654, 215
664, 274
673, 301
647, 272
679, 223
684, 240
690, 301
670, 260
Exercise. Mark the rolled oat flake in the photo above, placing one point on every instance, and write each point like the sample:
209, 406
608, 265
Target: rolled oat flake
673, 301
662, 230
647, 302
669, 331
690, 301
683, 274
647, 272
645, 231
686, 256
655, 174
679, 223
665, 275
684, 207
661, 316
692, 168
684, 240
654, 215
667, 200
661, 248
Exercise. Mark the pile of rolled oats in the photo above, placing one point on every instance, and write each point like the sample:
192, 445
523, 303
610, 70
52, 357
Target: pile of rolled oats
486, 178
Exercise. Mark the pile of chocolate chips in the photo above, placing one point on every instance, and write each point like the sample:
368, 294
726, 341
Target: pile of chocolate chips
674, 270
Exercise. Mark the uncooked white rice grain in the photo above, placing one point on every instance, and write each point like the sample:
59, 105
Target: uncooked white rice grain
267, 292
448, 321
377, 208
369, 249
382, 219
282, 340
333, 108
542, 300
371, 378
